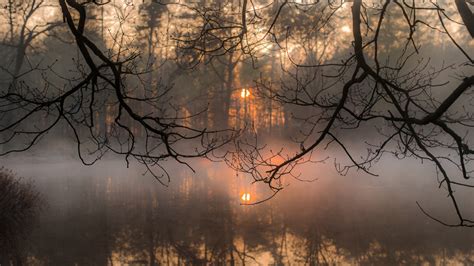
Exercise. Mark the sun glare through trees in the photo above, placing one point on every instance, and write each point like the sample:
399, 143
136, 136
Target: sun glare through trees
261, 132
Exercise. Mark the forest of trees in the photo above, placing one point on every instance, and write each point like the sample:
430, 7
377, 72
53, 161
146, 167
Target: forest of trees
153, 80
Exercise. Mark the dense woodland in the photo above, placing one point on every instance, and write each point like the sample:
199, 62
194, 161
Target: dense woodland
155, 81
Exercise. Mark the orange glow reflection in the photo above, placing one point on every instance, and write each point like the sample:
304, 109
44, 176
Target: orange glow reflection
245, 197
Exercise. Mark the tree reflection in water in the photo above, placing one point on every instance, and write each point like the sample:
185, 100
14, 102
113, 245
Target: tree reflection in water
108, 216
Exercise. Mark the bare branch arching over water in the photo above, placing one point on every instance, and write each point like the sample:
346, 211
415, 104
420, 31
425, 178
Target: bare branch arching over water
390, 78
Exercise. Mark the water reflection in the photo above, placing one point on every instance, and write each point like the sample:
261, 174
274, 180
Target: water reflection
245, 197
107, 215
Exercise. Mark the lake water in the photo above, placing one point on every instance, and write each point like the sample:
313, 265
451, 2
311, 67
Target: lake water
108, 214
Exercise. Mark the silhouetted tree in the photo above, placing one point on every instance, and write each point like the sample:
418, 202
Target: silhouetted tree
380, 84
347, 68
146, 127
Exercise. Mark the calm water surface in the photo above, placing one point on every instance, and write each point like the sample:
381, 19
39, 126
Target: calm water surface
112, 215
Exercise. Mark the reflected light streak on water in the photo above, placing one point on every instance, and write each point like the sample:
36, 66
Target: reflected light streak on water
118, 216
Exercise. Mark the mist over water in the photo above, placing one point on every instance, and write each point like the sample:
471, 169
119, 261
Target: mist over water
110, 214
162, 82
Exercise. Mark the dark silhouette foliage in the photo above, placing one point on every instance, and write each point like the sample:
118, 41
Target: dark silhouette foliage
19, 205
